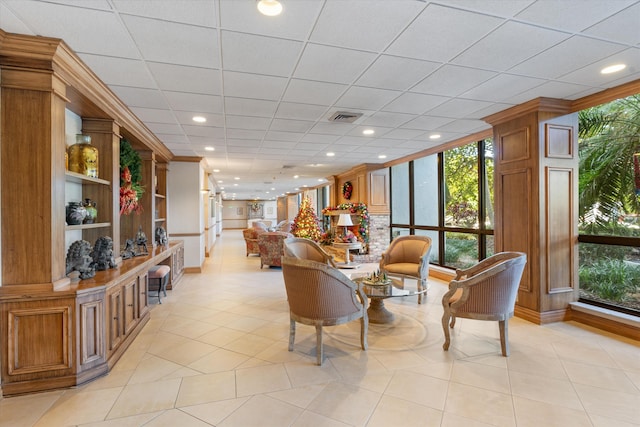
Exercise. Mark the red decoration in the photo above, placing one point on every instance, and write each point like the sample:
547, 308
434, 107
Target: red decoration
347, 189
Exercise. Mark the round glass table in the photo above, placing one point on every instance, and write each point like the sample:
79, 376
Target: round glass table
377, 293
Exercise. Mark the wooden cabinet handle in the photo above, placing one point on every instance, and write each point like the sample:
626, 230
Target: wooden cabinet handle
129, 305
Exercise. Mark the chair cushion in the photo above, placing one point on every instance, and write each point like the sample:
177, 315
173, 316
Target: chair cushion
410, 250
406, 268
159, 271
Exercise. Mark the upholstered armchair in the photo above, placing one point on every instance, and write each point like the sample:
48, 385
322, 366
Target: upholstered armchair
320, 295
284, 225
251, 240
307, 249
271, 245
408, 257
486, 291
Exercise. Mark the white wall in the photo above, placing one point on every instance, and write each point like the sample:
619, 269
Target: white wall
234, 214
185, 210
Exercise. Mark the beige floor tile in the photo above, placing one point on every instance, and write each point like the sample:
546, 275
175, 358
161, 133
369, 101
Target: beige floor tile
345, 403
607, 403
261, 379
213, 413
299, 396
206, 388
532, 361
175, 417
187, 352
421, 389
373, 382
393, 411
600, 376
308, 418
153, 369
482, 405
481, 376
305, 372
147, 397
82, 407
132, 421
262, 411
453, 420
530, 413
249, 344
600, 421
278, 352
543, 389
218, 361
24, 411
221, 336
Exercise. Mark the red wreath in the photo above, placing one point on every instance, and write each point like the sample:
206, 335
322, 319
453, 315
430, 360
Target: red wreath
347, 189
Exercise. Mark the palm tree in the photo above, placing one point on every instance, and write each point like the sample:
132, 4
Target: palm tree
609, 139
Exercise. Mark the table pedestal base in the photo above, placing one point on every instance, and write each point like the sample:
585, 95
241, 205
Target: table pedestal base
377, 312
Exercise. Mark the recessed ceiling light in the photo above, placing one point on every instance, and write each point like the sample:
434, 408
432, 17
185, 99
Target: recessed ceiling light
235, 185
273, 189
216, 170
220, 181
382, 156
236, 177
368, 132
613, 68
434, 136
296, 176
199, 119
222, 188
270, 7
209, 148
330, 154
320, 179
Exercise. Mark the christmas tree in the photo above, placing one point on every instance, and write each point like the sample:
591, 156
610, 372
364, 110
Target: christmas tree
306, 223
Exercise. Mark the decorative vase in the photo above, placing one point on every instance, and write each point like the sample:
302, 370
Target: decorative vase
83, 157
75, 213
92, 211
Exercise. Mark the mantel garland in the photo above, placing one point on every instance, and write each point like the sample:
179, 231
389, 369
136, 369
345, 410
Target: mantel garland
355, 208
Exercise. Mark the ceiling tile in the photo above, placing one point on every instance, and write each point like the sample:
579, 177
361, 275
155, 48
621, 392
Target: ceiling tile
583, 13
509, 45
316, 138
492, 7
249, 107
291, 125
245, 85
502, 87
284, 136
332, 64
551, 89
173, 139
385, 119
151, 115
364, 97
245, 134
452, 80
362, 24
458, 108
174, 43
621, 27
258, 54
203, 131
138, 97
9, 22
196, 12
403, 133
427, 123
470, 126
414, 103
571, 54
247, 122
331, 128
194, 102
290, 110
448, 31
310, 92
120, 71
162, 128
383, 72
178, 78
278, 144
186, 118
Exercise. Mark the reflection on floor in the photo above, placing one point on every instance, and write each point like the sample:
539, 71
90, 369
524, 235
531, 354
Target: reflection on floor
215, 354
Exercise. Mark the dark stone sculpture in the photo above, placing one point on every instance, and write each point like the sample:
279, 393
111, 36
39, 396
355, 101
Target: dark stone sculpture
141, 241
161, 236
128, 251
102, 254
79, 259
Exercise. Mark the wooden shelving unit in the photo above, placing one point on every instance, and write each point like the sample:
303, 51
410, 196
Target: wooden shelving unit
57, 333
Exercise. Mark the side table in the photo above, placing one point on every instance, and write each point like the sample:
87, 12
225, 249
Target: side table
347, 247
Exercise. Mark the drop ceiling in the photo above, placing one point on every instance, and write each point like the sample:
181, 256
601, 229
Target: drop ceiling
268, 85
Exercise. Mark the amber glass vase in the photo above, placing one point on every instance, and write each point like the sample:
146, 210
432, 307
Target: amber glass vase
83, 157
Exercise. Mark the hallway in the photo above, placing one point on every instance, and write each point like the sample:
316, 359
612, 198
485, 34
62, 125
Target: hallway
215, 354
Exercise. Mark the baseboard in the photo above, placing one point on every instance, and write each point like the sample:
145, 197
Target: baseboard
541, 318
606, 320
193, 270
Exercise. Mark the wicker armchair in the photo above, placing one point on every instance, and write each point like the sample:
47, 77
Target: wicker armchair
320, 295
486, 291
271, 245
300, 248
251, 240
408, 256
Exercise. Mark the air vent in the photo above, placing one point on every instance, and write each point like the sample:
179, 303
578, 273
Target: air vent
287, 166
344, 117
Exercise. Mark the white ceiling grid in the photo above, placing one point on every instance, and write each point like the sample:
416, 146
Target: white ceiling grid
268, 85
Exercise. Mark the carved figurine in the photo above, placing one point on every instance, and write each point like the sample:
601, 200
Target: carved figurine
102, 254
161, 236
78, 259
141, 241
128, 251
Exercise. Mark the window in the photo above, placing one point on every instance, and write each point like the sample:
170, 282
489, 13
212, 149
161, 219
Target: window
449, 197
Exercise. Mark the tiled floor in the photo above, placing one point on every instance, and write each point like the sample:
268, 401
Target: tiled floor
215, 354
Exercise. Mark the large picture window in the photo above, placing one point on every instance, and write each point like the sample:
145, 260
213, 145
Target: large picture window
449, 197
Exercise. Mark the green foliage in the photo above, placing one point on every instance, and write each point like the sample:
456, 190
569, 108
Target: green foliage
130, 157
609, 136
461, 250
610, 279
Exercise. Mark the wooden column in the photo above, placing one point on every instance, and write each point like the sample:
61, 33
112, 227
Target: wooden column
536, 198
32, 153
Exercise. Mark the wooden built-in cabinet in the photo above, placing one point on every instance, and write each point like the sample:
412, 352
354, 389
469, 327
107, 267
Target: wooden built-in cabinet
54, 332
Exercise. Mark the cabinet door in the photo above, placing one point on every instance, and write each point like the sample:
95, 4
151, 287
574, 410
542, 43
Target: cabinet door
91, 331
143, 296
130, 297
114, 311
